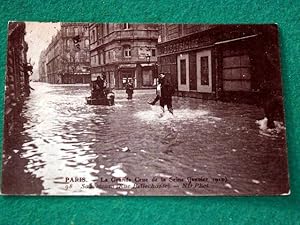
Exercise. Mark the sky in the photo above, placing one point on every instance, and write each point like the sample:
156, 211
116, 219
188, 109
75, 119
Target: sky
38, 36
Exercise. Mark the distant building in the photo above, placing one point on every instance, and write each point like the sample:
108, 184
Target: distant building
42, 67
226, 62
17, 75
124, 52
67, 56
54, 65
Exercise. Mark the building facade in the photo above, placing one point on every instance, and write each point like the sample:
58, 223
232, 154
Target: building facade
124, 52
53, 62
17, 75
42, 67
67, 56
225, 62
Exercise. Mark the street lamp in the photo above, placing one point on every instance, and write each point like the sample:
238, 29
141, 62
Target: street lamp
148, 58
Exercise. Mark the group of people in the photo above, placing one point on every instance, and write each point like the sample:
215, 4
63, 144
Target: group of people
164, 91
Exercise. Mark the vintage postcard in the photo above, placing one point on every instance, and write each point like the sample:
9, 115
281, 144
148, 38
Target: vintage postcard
143, 109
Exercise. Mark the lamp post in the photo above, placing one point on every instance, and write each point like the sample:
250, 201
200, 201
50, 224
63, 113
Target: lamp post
148, 58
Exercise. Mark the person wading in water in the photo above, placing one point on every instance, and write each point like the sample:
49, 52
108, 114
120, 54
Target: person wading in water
129, 89
164, 92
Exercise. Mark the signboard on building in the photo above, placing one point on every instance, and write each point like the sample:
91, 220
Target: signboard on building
184, 44
143, 52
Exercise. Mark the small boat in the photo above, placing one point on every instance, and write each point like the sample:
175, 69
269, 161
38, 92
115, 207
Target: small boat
109, 100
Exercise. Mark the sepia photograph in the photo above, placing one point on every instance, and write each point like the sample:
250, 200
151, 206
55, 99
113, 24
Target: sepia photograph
143, 110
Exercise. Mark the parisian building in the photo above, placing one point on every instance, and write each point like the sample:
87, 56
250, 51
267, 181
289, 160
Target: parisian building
228, 63
67, 56
42, 67
54, 67
124, 52
17, 76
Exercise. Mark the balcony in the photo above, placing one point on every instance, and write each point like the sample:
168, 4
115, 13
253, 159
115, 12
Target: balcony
136, 34
119, 35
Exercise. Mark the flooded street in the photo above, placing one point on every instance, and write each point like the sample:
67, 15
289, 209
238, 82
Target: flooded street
65, 147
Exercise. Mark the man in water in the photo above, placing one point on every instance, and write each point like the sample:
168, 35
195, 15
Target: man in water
129, 89
165, 90
158, 89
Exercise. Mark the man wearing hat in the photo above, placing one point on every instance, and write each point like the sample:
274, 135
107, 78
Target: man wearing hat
158, 89
164, 93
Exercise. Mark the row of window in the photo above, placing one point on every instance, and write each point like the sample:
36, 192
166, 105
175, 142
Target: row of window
57, 64
104, 29
70, 43
53, 66
101, 57
171, 31
75, 30
78, 57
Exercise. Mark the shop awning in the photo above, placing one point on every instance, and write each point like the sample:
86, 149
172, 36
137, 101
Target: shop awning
236, 39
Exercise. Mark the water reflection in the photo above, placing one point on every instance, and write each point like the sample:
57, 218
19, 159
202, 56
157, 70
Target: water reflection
63, 138
15, 173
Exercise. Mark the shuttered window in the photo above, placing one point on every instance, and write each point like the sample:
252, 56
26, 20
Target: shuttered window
236, 73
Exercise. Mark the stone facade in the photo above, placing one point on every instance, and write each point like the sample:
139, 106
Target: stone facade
17, 75
67, 56
124, 52
226, 62
42, 68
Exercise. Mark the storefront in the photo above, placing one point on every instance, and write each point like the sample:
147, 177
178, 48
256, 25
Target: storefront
228, 65
143, 76
148, 74
126, 73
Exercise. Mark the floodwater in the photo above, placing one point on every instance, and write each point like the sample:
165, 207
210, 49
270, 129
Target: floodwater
64, 147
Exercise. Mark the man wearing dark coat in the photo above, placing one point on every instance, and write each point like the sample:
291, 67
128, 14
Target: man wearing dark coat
167, 90
129, 89
98, 88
